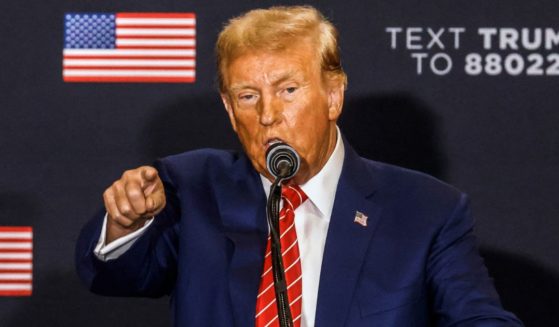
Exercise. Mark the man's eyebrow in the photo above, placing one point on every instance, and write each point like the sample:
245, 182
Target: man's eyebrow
273, 80
241, 86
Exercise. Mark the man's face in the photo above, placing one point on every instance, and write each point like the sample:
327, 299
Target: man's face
283, 96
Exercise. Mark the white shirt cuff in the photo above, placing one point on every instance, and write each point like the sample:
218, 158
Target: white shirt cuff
118, 247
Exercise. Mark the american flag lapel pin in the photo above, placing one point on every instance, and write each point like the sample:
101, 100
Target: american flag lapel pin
360, 218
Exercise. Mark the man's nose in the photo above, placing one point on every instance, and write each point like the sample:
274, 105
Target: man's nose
270, 111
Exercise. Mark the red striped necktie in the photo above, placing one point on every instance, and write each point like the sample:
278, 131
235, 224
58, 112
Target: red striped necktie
266, 307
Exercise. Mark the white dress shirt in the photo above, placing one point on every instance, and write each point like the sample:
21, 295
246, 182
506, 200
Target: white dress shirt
312, 219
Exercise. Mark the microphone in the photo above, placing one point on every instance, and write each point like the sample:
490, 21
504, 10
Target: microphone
282, 160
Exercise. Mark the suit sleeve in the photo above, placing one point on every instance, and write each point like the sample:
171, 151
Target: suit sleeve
462, 292
148, 268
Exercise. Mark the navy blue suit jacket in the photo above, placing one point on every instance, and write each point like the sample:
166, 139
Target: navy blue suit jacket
415, 263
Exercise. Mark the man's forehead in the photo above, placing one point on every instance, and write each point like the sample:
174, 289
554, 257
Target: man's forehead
271, 68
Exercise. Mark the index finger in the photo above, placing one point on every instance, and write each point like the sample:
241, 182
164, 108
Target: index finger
149, 174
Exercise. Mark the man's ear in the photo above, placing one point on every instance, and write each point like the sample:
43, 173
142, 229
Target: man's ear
336, 91
229, 108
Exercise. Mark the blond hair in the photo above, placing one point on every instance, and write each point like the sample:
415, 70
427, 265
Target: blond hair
275, 29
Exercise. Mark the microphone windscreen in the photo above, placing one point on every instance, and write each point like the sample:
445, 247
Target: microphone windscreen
282, 160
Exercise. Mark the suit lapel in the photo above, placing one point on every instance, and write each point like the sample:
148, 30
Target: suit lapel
347, 241
242, 205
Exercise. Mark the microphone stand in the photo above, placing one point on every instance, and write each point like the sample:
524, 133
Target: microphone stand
272, 212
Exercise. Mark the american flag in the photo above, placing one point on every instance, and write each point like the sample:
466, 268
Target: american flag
16, 261
129, 47
360, 218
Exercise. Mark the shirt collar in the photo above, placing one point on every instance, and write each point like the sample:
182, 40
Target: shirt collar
321, 188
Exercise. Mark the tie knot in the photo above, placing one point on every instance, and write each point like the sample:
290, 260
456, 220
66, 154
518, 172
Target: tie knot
293, 196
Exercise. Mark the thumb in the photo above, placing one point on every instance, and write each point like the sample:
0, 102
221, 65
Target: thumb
155, 202
149, 174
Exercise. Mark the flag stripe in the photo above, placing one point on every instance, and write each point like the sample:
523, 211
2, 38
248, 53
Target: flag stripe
156, 31
23, 251
15, 255
129, 52
161, 21
15, 260
165, 69
138, 47
102, 79
154, 25
156, 14
127, 62
9, 271
15, 235
162, 58
156, 42
121, 21
15, 245
155, 37
16, 266
124, 72
22, 276
16, 229
15, 240
15, 286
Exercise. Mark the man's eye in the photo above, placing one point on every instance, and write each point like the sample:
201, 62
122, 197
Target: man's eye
246, 97
291, 89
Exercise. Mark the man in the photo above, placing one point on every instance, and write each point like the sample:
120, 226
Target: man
375, 245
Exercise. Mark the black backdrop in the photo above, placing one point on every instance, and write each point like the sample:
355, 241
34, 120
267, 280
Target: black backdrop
492, 133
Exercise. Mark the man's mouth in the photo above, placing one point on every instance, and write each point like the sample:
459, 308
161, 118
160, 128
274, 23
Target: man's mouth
271, 141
